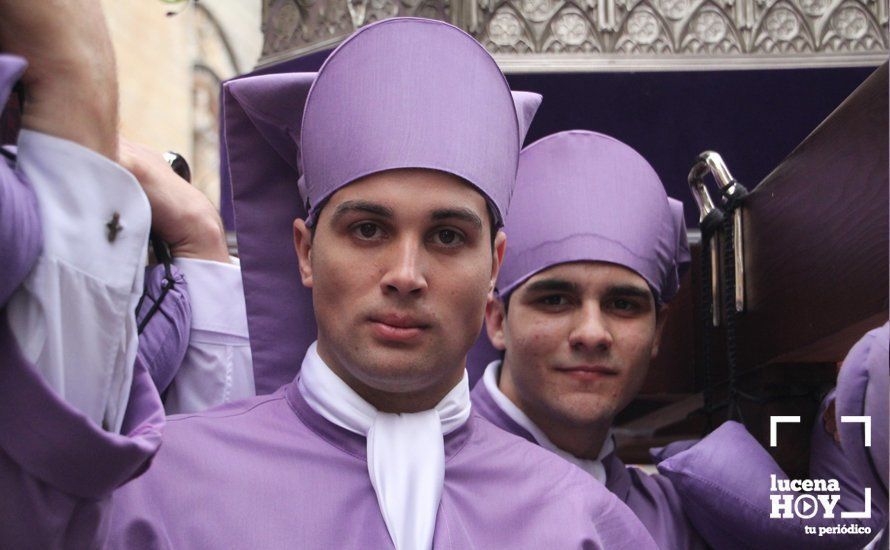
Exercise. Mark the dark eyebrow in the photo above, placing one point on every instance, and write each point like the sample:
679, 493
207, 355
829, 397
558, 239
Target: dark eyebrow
630, 291
463, 214
552, 285
361, 206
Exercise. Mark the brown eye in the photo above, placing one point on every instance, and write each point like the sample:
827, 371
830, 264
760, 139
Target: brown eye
446, 236
554, 300
367, 230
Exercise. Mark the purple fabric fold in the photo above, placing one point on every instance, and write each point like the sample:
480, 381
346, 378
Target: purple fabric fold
725, 485
683, 255
164, 340
863, 389
21, 235
280, 318
828, 460
60, 446
651, 498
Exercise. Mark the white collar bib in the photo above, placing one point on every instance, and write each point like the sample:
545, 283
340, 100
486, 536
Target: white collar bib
406, 452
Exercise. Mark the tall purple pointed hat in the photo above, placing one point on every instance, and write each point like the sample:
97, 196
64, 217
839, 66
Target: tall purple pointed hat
582, 196
401, 93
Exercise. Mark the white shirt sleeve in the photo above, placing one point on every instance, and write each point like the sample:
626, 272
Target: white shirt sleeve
73, 315
217, 367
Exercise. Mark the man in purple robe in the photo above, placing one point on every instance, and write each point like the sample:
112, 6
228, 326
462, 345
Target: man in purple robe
595, 249
408, 147
596, 252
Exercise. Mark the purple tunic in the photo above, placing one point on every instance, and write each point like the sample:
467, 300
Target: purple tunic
21, 235
269, 472
651, 497
58, 468
266, 472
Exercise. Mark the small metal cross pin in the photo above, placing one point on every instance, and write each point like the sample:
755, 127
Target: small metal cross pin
114, 227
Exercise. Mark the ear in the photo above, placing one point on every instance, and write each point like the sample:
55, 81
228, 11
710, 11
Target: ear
660, 316
303, 247
497, 258
495, 322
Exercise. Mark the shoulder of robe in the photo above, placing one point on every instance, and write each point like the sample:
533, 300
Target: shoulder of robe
228, 415
656, 486
533, 464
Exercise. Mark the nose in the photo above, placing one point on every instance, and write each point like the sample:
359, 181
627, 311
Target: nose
591, 331
404, 275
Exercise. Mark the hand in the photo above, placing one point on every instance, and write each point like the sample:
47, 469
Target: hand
70, 84
181, 215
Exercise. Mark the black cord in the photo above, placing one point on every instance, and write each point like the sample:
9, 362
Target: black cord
162, 253
709, 227
705, 314
734, 195
735, 411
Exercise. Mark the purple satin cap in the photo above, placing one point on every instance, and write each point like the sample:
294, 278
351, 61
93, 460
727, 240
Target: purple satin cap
369, 111
400, 93
584, 196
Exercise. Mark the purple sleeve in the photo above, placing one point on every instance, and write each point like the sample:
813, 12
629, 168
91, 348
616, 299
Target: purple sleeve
828, 460
57, 468
21, 236
164, 339
725, 482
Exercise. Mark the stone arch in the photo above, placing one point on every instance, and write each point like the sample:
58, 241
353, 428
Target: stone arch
645, 31
783, 29
571, 31
709, 30
506, 31
858, 31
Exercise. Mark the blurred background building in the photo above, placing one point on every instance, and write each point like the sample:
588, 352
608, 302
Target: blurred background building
171, 68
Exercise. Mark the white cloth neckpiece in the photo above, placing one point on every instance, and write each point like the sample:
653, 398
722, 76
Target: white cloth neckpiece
406, 452
593, 467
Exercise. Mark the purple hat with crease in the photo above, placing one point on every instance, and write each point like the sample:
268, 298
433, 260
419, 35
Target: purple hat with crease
400, 93
585, 196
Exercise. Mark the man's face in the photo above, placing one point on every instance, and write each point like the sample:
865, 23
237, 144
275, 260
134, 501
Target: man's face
578, 338
400, 267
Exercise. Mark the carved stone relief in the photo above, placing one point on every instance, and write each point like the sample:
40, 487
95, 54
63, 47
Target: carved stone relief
295, 27
622, 29
721, 27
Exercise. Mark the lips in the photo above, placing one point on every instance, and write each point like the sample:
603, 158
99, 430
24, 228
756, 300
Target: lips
588, 372
398, 327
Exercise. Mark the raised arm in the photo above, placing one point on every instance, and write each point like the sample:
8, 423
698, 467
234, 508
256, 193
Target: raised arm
70, 83
21, 236
217, 366
79, 418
